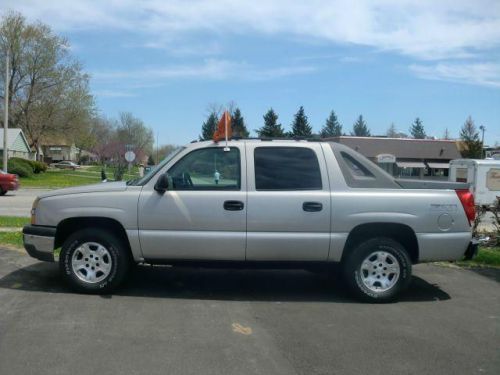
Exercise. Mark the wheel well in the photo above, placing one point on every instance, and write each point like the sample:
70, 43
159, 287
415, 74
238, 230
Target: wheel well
68, 226
398, 232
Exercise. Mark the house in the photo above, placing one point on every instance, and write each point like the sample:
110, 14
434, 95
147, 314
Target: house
17, 144
406, 157
55, 150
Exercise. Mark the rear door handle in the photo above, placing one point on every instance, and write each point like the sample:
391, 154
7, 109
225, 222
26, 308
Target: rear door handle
233, 205
312, 206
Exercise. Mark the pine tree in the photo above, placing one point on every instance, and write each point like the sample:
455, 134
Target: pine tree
208, 128
238, 125
417, 130
392, 131
359, 129
300, 125
271, 127
470, 137
332, 127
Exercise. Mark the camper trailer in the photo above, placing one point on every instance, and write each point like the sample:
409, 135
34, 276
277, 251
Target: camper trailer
482, 175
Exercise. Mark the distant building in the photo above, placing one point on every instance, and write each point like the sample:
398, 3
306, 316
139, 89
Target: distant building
55, 150
17, 144
406, 157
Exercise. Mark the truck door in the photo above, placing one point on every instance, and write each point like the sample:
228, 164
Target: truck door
288, 214
202, 215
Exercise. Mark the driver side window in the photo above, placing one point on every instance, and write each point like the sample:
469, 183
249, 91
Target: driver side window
207, 169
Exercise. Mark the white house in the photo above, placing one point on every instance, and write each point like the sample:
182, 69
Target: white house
16, 144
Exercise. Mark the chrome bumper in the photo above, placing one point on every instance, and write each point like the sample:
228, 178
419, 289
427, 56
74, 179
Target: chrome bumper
39, 242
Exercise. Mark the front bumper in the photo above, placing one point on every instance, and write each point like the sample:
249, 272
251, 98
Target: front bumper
39, 242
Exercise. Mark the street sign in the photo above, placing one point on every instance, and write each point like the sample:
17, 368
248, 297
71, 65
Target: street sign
130, 156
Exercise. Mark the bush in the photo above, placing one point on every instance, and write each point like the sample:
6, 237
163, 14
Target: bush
19, 168
35, 166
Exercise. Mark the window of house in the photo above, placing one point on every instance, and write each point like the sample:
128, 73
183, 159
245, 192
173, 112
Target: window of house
286, 168
207, 169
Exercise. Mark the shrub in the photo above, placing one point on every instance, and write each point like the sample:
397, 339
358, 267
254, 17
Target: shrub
19, 168
35, 166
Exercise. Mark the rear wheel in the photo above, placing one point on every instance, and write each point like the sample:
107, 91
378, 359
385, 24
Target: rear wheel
2, 191
94, 261
378, 269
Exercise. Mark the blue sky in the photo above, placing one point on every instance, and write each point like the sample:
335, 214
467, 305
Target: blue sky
390, 60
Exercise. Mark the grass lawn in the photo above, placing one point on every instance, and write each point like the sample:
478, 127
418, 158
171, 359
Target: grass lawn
60, 178
13, 221
11, 239
487, 257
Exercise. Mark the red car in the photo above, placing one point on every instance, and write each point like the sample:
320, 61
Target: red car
8, 181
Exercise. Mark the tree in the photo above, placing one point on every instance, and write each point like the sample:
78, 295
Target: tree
48, 92
164, 151
209, 126
238, 124
300, 124
271, 127
359, 129
470, 138
417, 130
133, 132
392, 131
332, 127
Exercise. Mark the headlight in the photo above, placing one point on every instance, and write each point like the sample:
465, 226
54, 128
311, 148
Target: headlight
33, 211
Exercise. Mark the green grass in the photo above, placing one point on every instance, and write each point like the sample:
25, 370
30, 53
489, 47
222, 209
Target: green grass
59, 178
487, 257
11, 239
13, 221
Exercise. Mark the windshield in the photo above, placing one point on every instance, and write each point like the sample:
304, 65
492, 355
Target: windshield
142, 180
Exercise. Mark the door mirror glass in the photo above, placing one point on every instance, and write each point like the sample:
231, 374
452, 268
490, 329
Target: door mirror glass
161, 185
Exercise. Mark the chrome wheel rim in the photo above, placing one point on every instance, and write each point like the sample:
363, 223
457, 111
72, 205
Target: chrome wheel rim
91, 262
380, 271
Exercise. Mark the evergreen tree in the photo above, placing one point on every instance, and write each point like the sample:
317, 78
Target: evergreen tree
417, 130
470, 137
359, 129
208, 128
271, 127
332, 127
300, 125
392, 131
238, 124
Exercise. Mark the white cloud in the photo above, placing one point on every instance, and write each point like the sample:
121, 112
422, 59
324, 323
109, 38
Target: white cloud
423, 29
485, 74
212, 69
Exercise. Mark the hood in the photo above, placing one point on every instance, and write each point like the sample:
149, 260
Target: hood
101, 187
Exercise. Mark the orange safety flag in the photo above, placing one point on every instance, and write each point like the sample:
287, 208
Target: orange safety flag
223, 126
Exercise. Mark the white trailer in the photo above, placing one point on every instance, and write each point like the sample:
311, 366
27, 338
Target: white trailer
482, 175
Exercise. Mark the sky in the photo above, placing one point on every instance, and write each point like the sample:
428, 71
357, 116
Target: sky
169, 61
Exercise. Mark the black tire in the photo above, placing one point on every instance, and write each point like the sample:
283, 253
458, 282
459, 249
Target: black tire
354, 274
2, 191
118, 258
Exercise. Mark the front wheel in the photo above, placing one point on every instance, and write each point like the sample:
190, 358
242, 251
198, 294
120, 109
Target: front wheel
378, 270
93, 261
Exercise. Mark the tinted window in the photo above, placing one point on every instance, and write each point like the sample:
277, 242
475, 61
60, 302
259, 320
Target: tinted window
286, 168
357, 169
207, 169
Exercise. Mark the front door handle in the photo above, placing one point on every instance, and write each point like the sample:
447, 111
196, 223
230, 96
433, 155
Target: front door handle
312, 206
233, 205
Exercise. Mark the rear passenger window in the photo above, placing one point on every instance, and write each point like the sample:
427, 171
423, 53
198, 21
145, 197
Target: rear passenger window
357, 169
286, 168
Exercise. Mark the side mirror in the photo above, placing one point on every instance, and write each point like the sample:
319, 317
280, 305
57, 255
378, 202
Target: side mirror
161, 185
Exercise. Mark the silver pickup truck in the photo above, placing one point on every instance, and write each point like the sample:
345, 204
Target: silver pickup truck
279, 203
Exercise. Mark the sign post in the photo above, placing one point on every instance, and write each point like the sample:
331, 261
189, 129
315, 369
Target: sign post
6, 113
129, 157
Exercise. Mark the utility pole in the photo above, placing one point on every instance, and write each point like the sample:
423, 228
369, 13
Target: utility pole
482, 128
6, 112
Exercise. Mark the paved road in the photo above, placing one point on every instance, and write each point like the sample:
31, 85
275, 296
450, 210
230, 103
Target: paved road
189, 321
18, 203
